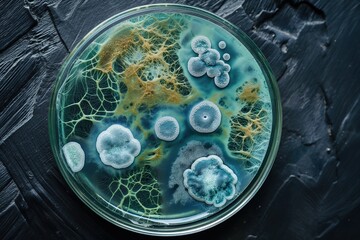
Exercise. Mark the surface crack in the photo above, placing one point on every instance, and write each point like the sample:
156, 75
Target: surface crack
330, 130
52, 18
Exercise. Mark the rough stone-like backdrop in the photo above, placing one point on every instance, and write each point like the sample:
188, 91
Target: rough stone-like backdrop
313, 190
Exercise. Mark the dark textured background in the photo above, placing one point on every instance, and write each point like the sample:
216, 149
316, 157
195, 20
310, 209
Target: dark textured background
313, 190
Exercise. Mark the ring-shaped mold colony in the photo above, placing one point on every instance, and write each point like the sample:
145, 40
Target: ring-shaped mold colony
167, 128
139, 67
226, 56
205, 117
222, 44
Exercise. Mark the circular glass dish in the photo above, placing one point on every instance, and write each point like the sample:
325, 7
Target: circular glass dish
165, 119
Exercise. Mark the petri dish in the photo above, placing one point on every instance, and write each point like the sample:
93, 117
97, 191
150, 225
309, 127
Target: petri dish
165, 119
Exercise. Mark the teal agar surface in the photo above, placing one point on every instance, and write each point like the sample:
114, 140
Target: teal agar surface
173, 114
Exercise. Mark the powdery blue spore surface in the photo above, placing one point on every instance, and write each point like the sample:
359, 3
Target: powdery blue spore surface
167, 128
210, 181
205, 117
208, 61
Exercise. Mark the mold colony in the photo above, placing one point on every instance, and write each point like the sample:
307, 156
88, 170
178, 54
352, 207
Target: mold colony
74, 155
117, 147
156, 124
205, 117
210, 181
167, 128
208, 61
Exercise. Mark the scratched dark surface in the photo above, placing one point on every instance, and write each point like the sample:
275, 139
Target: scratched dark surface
313, 190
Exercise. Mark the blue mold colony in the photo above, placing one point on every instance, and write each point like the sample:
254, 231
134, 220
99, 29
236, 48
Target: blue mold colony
210, 181
187, 155
167, 128
208, 61
205, 117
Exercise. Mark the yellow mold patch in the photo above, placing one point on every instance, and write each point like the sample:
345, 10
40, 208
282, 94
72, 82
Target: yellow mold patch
250, 92
134, 70
249, 125
143, 55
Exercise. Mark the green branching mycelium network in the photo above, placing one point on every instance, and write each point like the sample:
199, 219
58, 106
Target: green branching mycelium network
89, 96
250, 128
138, 192
131, 69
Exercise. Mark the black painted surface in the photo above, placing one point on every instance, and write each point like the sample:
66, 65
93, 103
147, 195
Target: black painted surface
313, 190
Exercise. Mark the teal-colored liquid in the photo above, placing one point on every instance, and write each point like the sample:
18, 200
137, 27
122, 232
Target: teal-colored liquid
136, 72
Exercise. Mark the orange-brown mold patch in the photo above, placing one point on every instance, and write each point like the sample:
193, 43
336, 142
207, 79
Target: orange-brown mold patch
250, 92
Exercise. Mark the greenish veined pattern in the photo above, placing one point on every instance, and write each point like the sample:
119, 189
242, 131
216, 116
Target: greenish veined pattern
138, 192
250, 127
133, 66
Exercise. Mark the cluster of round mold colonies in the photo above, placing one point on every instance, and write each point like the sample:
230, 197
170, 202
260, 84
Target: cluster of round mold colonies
150, 124
208, 62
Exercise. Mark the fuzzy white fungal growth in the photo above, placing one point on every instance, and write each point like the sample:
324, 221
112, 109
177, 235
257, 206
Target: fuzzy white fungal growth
209, 180
167, 128
205, 117
200, 44
210, 57
74, 155
117, 146
226, 56
222, 44
223, 80
196, 67
208, 61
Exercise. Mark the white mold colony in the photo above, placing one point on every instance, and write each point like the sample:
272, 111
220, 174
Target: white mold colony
167, 128
117, 146
205, 117
74, 155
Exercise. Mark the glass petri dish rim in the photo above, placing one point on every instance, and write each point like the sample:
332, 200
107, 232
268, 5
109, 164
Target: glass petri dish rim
250, 190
